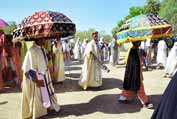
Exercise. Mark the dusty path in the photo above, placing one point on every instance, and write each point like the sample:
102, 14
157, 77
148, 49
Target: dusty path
98, 103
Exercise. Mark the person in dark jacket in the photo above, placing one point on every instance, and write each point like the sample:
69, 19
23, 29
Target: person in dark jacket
133, 79
167, 108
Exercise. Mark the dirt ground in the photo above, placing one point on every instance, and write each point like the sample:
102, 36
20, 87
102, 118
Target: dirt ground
95, 103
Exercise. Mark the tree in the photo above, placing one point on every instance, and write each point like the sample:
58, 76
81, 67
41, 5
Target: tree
152, 7
168, 10
134, 11
115, 30
106, 37
84, 34
120, 23
87, 34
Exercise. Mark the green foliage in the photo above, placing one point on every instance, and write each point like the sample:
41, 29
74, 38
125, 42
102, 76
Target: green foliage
87, 34
115, 30
120, 23
152, 7
134, 11
168, 10
84, 34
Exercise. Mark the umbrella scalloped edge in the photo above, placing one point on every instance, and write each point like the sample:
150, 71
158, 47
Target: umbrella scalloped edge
130, 39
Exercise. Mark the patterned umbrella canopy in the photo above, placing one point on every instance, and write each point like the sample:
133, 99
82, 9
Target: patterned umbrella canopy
143, 27
3, 23
44, 24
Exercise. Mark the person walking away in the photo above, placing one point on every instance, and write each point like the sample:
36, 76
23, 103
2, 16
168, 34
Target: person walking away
161, 54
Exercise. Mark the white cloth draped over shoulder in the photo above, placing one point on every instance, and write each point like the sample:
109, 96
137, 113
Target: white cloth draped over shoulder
162, 53
32, 105
91, 71
171, 65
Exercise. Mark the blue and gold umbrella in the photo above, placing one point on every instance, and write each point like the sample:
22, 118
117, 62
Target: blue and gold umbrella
143, 27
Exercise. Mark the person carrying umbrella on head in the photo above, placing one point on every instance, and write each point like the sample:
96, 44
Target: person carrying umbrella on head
133, 79
36, 61
38, 95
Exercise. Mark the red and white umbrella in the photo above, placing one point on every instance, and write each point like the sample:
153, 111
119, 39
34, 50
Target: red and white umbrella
44, 24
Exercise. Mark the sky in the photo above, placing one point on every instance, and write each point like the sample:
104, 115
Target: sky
98, 14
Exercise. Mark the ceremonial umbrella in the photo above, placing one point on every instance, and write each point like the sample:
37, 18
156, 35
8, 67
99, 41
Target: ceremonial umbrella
3, 23
44, 24
143, 27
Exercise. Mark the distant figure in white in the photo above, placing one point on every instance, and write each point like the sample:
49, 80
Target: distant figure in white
106, 52
149, 52
171, 65
66, 50
84, 45
161, 54
101, 46
59, 75
114, 58
77, 50
91, 69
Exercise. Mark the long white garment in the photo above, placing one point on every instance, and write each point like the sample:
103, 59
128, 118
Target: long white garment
171, 65
162, 53
106, 53
59, 74
83, 47
66, 46
32, 106
91, 70
77, 50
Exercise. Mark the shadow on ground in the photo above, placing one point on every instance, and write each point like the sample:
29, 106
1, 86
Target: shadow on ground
4, 102
72, 85
71, 68
103, 103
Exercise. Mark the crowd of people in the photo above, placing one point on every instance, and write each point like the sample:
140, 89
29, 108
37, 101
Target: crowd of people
43, 63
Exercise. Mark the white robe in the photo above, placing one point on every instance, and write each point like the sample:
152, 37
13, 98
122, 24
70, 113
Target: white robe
77, 50
162, 53
59, 74
32, 106
171, 65
91, 70
83, 46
